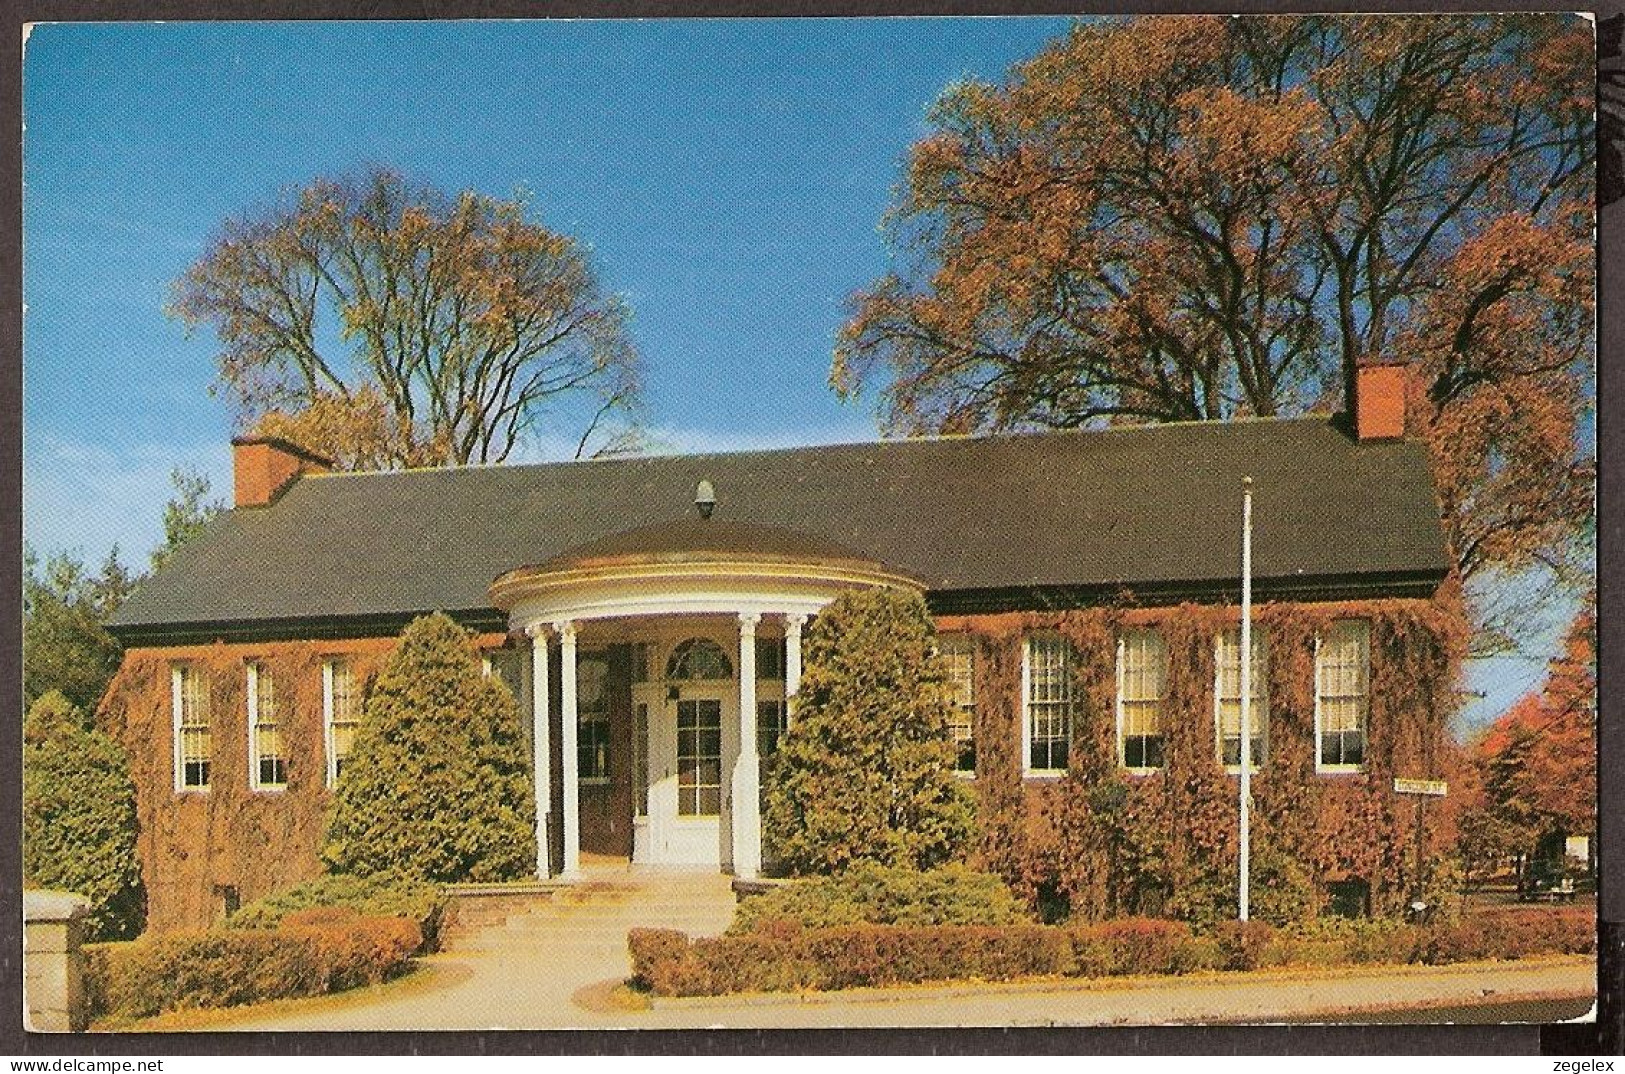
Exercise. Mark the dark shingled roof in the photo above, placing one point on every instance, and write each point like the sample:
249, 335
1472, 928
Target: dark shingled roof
1004, 521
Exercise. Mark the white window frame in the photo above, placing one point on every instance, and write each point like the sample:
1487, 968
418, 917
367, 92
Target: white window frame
330, 748
1261, 697
1365, 709
1162, 702
254, 781
1027, 770
177, 699
966, 644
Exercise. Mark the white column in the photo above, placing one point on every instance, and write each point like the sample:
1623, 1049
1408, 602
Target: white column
747, 805
572, 782
541, 746
792, 664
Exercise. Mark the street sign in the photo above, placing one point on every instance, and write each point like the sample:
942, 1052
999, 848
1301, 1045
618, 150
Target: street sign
1433, 788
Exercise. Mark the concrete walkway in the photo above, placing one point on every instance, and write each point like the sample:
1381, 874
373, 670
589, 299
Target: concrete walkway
525, 972
558, 965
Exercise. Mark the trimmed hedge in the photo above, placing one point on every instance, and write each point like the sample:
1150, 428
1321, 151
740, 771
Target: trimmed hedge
1134, 945
779, 955
369, 896
878, 895
782, 957
311, 954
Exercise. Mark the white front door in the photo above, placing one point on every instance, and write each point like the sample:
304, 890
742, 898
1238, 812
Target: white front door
686, 774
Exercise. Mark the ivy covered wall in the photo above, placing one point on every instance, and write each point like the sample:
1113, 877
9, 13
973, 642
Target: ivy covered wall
1094, 843
1101, 841
195, 844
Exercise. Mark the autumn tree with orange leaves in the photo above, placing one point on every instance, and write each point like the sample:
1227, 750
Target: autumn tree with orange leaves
1535, 769
1167, 219
385, 324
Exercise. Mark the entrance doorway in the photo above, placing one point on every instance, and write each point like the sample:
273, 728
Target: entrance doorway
681, 822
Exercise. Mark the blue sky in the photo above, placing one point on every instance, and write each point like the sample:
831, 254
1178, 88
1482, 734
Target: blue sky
729, 177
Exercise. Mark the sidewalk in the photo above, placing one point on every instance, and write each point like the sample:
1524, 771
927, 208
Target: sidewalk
1261, 997
497, 992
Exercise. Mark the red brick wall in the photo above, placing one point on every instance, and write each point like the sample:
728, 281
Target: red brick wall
192, 843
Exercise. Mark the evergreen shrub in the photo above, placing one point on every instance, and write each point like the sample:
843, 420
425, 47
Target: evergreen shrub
866, 772
438, 786
79, 817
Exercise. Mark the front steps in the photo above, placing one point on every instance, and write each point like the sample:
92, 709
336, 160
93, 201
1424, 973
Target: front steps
591, 917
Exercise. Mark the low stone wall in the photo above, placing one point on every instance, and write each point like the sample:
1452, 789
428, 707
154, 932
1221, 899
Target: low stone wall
54, 961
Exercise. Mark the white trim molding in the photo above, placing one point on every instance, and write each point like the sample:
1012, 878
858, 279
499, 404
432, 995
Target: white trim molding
1259, 715
1069, 706
256, 784
1364, 695
1159, 656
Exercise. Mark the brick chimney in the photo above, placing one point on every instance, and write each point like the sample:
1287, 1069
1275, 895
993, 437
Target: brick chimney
263, 468
1379, 401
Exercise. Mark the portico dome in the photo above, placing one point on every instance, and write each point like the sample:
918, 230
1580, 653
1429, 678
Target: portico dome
689, 565
697, 540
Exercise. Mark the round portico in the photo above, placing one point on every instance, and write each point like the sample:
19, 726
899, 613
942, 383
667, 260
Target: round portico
704, 617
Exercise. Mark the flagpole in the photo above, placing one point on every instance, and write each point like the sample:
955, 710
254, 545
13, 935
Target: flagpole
1246, 688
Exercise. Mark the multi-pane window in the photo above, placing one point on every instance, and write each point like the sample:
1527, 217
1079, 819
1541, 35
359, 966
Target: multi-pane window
267, 761
1227, 698
1050, 704
592, 718
958, 654
699, 757
1342, 693
699, 659
1142, 672
190, 695
771, 723
341, 712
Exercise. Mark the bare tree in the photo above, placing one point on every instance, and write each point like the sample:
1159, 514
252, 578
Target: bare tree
386, 324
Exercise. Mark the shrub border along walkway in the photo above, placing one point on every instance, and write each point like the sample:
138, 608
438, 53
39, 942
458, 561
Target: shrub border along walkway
312, 952
781, 956
1210, 996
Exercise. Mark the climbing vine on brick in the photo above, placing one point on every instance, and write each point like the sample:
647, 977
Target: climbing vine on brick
192, 846
1102, 842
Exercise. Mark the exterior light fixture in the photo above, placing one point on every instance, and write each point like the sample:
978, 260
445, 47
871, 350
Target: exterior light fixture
705, 499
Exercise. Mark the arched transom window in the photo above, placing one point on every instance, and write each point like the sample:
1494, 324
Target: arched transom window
699, 658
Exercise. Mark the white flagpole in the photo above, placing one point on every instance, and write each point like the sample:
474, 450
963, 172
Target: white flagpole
1246, 686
